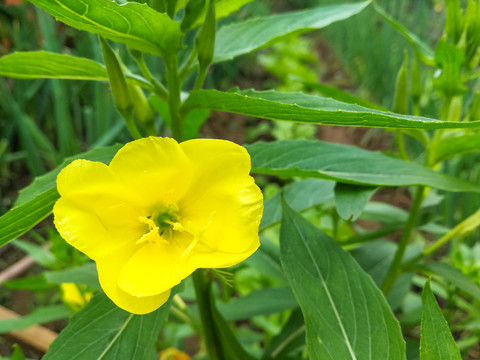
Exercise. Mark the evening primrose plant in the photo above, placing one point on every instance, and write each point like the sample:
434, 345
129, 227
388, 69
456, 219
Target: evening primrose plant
172, 223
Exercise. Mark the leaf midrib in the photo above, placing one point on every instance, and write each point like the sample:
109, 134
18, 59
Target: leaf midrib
327, 291
107, 29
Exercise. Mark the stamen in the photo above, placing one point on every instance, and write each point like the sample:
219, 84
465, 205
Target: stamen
153, 235
147, 221
163, 223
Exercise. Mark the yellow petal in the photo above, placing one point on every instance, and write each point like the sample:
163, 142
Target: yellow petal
95, 213
109, 269
154, 168
154, 268
222, 186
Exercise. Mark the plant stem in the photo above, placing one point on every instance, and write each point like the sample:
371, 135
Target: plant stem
158, 87
465, 227
395, 267
401, 145
174, 101
129, 120
204, 303
202, 74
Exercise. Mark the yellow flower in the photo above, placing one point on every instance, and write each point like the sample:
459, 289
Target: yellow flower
173, 354
73, 297
157, 213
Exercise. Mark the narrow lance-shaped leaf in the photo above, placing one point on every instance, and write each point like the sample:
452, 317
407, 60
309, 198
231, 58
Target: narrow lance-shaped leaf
243, 37
346, 315
22, 218
291, 339
101, 330
311, 109
347, 164
222, 8
49, 65
436, 341
39, 316
85, 275
43, 64
260, 302
421, 48
136, 25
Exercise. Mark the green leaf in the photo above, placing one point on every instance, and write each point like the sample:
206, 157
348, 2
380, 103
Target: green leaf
17, 353
49, 65
39, 254
351, 199
259, 302
39, 316
455, 145
231, 347
347, 164
311, 109
20, 219
266, 260
136, 25
291, 338
450, 60
223, 8
455, 276
436, 341
421, 48
33, 283
101, 330
375, 258
36, 201
85, 274
346, 315
244, 37
300, 195
43, 64
334, 93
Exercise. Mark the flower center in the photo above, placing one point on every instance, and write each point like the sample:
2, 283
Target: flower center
165, 218
161, 224
165, 221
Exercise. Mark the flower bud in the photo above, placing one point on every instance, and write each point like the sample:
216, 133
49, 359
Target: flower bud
206, 37
118, 83
143, 110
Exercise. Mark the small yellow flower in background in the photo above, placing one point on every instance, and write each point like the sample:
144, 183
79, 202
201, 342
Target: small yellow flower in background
173, 354
157, 213
73, 297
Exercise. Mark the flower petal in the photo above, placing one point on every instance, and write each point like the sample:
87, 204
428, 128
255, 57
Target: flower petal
223, 191
156, 169
108, 273
154, 268
95, 213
